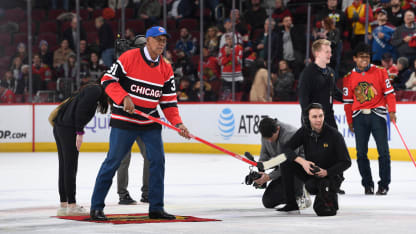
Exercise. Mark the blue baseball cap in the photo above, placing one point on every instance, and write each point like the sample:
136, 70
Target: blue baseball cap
156, 31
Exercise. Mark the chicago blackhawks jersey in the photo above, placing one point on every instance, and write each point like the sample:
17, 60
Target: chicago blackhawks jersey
148, 83
370, 89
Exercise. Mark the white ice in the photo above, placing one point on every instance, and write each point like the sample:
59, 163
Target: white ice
206, 186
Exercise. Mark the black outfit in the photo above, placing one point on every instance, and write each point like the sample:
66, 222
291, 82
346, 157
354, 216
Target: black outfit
47, 58
395, 19
106, 37
70, 36
318, 85
326, 149
71, 118
255, 18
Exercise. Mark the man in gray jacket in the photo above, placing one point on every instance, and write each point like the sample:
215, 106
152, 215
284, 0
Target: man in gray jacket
275, 134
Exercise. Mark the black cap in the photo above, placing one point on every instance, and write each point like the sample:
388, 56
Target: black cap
386, 56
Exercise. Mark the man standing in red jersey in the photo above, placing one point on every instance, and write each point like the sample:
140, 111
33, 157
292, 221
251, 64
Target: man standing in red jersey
369, 97
140, 79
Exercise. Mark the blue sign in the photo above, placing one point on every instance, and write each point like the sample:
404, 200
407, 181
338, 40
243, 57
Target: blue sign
226, 123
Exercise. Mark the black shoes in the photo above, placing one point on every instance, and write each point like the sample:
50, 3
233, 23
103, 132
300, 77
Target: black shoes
144, 199
127, 200
161, 214
341, 192
292, 208
98, 215
382, 191
369, 190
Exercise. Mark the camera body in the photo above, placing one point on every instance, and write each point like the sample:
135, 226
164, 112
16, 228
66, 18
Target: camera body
251, 177
315, 169
122, 45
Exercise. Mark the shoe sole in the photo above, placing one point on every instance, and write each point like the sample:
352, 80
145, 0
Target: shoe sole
131, 203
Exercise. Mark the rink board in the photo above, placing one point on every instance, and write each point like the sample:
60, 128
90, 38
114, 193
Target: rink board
24, 128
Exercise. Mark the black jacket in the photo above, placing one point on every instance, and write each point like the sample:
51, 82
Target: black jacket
318, 85
68, 35
106, 37
78, 112
327, 149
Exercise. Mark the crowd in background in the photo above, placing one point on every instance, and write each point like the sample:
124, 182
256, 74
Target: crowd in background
391, 32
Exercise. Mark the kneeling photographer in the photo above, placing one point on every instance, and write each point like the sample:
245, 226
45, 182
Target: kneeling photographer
326, 157
275, 135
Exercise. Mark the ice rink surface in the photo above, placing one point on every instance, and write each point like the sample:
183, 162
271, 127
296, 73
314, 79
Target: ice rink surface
206, 186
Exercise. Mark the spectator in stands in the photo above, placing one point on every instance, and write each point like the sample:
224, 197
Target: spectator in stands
84, 51
382, 35
22, 85
404, 74
9, 79
335, 14
106, 41
68, 69
60, 56
262, 43
395, 13
391, 68
255, 15
44, 72
241, 27
403, 36
283, 85
411, 82
262, 88
149, 12
183, 67
182, 9
356, 15
16, 67
186, 42
292, 41
280, 11
21, 53
210, 66
207, 93
238, 39
225, 59
6, 94
95, 68
130, 34
211, 40
184, 90
45, 55
71, 34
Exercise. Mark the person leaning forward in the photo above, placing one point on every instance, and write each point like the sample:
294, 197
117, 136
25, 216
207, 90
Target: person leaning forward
140, 79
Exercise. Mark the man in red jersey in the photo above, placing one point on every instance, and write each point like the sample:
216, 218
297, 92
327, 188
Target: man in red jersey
369, 97
140, 79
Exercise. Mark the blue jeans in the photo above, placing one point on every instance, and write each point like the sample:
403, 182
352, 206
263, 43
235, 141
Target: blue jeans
121, 141
376, 125
107, 56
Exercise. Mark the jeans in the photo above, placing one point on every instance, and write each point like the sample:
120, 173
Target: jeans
376, 125
121, 141
107, 56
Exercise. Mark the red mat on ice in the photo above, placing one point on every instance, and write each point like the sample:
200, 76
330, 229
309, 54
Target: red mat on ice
135, 218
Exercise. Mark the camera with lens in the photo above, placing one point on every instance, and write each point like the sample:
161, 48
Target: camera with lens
122, 44
315, 169
251, 177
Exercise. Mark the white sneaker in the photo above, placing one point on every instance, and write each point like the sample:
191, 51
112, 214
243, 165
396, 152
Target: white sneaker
76, 211
61, 211
304, 201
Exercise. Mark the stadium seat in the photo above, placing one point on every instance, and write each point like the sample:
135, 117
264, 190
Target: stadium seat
89, 26
65, 25
16, 15
19, 37
5, 38
10, 50
137, 26
38, 14
92, 37
83, 13
48, 26
129, 14
51, 38
23, 28
170, 24
52, 14
190, 24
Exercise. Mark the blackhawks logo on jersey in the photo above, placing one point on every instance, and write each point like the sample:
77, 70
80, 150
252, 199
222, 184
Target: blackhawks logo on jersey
364, 92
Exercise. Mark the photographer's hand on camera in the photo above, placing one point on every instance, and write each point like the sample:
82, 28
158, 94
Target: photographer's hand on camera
321, 173
307, 165
263, 179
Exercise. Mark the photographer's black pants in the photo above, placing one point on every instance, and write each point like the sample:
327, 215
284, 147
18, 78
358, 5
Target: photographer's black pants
275, 192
